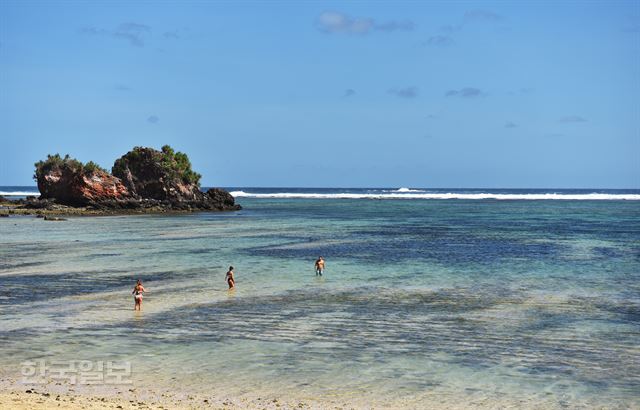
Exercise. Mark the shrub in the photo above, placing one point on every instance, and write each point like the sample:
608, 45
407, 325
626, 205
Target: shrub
175, 165
56, 162
92, 167
178, 166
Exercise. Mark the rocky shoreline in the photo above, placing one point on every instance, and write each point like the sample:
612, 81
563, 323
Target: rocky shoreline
143, 181
50, 208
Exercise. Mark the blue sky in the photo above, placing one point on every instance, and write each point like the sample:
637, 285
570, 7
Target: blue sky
350, 94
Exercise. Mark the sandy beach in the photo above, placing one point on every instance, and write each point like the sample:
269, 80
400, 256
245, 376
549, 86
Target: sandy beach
47, 398
16, 395
65, 397
37, 400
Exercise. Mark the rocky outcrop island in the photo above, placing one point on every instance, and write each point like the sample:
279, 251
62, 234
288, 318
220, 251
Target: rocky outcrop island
143, 180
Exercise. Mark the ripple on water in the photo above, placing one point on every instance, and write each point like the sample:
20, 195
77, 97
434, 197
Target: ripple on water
481, 303
382, 325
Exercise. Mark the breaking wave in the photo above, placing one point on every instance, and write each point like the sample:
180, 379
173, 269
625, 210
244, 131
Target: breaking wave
407, 190
451, 195
19, 193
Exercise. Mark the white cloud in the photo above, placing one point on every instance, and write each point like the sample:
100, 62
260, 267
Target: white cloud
336, 22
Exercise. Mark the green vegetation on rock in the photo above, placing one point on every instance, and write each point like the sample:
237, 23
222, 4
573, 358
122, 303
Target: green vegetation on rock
175, 165
92, 167
57, 162
178, 165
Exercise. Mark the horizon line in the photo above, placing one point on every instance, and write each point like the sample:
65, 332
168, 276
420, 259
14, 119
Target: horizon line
374, 187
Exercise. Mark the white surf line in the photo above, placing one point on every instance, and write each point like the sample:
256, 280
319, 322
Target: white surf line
528, 197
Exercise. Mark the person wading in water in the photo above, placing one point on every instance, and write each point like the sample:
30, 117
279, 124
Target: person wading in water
229, 278
138, 290
319, 266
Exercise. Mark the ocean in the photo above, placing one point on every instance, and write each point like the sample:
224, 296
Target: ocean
430, 298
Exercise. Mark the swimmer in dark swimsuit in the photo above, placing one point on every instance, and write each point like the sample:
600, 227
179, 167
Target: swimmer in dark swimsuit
319, 265
138, 290
229, 278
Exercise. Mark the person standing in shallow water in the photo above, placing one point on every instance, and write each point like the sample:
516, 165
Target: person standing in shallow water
138, 290
230, 279
319, 266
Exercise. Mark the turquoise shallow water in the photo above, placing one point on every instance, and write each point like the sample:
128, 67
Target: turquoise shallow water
462, 301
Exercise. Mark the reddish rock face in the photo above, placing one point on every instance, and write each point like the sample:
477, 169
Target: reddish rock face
72, 187
98, 186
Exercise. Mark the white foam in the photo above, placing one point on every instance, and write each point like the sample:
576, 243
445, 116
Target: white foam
19, 193
452, 195
408, 190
